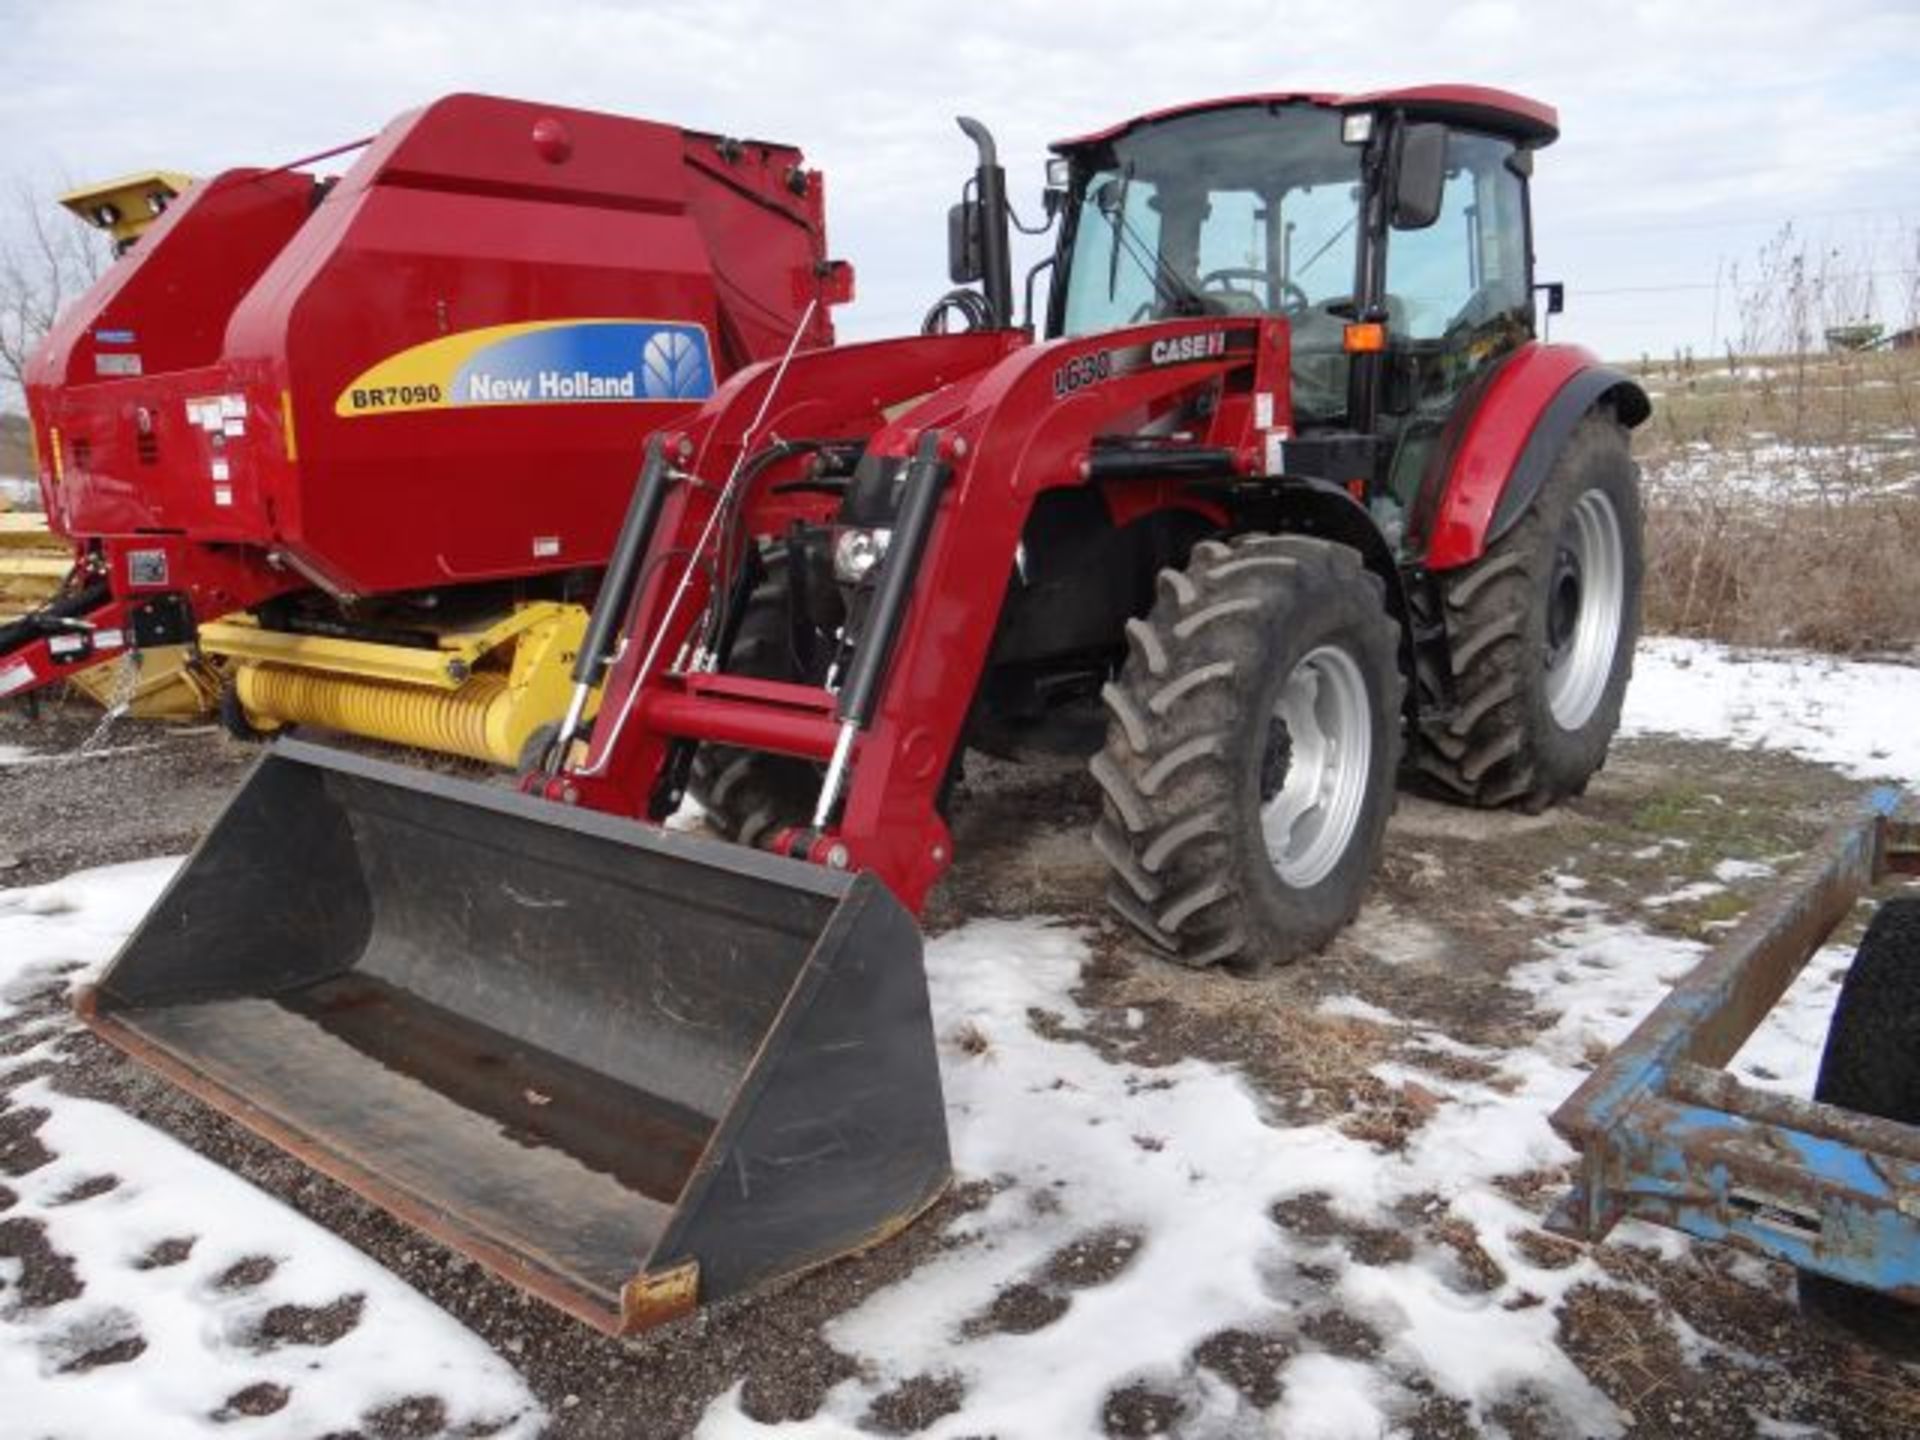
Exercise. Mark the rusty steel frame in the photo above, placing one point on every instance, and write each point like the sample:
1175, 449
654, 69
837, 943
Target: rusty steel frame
1668, 1136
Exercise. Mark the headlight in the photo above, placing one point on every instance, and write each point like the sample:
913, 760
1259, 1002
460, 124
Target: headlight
855, 552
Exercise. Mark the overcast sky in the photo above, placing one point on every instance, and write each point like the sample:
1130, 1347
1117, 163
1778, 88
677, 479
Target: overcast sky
1691, 132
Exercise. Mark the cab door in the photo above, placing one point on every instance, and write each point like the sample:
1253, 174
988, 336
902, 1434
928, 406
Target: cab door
1458, 295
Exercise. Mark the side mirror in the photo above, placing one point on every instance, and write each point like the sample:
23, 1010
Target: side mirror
1420, 177
1556, 291
1053, 201
965, 263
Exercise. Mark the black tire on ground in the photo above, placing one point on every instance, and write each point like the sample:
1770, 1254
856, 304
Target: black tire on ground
747, 793
1514, 619
1196, 750
1872, 1065
235, 720
533, 750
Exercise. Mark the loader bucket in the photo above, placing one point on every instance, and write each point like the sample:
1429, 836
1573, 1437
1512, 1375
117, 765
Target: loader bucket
629, 1071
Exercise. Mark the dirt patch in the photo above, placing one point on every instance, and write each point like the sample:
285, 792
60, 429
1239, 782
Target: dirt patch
1249, 1362
1547, 1252
247, 1273
153, 792
46, 1276
114, 1352
775, 1394
1477, 1271
914, 1404
1311, 1216
1807, 1375
21, 1152
1338, 1333
254, 1401
1093, 1259
306, 1324
87, 1189
414, 1418
1139, 1410
171, 1251
1018, 1309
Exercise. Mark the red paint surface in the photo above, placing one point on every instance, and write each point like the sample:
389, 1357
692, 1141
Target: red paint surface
461, 215
1495, 436
1008, 437
1531, 118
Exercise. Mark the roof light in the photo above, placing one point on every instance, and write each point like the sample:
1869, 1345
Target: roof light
1057, 172
1357, 128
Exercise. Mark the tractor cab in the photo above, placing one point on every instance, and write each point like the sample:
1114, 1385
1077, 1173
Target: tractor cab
1391, 231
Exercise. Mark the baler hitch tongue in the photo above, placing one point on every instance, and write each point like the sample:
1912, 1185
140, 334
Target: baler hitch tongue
629, 1071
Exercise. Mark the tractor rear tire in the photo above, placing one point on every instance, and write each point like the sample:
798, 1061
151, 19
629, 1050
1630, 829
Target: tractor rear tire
1542, 629
1251, 755
749, 794
1872, 1065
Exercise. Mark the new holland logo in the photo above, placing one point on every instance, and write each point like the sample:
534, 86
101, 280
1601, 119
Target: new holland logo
543, 362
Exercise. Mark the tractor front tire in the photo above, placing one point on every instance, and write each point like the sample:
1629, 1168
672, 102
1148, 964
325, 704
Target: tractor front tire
1541, 631
749, 794
1872, 1066
1251, 754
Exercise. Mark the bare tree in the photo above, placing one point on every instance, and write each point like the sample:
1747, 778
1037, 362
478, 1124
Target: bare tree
46, 259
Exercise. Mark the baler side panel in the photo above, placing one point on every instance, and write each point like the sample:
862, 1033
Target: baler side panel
120, 359
456, 222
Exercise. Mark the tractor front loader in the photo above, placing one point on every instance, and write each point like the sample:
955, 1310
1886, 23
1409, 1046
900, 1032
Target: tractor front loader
1287, 502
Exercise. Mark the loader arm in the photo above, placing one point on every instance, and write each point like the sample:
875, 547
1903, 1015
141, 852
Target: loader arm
1025, 420
840, 394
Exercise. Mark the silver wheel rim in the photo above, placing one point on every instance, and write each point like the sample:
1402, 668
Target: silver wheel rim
1585, 602
1327, 719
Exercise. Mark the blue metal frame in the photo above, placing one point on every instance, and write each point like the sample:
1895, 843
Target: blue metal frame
1666, 1135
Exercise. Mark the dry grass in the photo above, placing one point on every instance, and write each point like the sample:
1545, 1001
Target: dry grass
1783, 500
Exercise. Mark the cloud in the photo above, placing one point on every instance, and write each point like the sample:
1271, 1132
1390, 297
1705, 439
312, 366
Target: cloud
1689, 131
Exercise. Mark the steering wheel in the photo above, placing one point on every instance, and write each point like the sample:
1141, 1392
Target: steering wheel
1292, 298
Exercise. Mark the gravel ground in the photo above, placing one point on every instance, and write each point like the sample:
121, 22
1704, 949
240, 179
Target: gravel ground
1020, 836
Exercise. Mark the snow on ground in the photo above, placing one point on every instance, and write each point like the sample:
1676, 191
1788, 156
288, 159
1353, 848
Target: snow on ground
1855, 715
206, 1335
1167, 1177
1186, 1159
1767, 469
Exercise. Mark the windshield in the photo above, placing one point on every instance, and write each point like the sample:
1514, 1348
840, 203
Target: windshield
1241, 211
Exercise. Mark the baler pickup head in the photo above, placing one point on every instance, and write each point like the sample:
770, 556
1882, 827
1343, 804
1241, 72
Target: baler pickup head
629, 1071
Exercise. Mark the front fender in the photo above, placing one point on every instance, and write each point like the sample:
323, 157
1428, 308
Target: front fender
1505, 444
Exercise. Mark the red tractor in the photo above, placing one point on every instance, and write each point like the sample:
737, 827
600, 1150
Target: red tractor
1286, 500
1290, 494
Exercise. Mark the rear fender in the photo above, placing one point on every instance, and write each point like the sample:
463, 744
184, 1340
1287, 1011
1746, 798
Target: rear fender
1505, 445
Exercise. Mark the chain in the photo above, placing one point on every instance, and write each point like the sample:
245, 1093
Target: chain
126, 683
